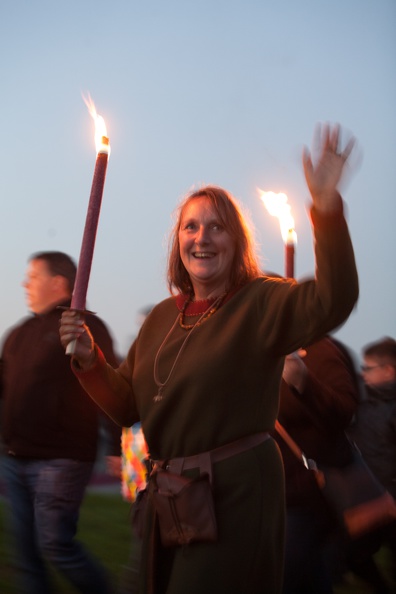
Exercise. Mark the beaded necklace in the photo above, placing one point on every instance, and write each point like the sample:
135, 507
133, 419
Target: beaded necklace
205, 316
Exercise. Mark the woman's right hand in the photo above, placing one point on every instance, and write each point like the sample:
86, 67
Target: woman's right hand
75, 333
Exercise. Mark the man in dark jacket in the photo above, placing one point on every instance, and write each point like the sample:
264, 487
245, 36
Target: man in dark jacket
375, 427
49, 434
374, 431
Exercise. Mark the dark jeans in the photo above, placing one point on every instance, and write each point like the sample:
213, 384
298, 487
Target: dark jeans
45, 498
306, 565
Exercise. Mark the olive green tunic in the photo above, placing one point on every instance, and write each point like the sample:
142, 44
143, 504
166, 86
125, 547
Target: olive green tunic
225, 385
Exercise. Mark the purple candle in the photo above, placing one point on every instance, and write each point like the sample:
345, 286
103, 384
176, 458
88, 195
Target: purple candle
91, 225
79, 296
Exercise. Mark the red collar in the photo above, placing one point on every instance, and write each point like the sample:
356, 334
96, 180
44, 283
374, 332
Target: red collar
196, 308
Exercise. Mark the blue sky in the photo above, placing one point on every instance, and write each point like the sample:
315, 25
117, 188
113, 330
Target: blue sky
216, 91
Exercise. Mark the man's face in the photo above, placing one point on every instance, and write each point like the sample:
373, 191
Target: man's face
40, 287
376, 372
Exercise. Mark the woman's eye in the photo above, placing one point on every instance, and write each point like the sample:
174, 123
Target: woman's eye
189, 226
217, 227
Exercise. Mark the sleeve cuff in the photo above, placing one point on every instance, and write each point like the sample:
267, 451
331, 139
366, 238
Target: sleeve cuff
99, 362
328, 220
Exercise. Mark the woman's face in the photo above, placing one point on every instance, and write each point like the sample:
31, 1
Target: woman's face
206, 248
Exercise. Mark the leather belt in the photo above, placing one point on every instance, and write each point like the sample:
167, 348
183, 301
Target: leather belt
205, 460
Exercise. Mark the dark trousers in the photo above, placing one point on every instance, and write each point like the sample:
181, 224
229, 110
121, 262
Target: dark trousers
306, 564
45, 498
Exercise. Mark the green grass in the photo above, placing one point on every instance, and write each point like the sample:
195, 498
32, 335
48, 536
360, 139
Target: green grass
105, 529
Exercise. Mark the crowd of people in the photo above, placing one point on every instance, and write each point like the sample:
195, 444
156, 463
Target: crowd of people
213, 367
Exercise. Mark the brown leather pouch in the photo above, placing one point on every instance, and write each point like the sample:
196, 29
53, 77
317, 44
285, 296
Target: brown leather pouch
184, 506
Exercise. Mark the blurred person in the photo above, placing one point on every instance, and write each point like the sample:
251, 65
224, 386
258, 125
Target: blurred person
374, 429
134, 474
318, 397
374, 432
132, 467
134, 452
50, 433
203, 375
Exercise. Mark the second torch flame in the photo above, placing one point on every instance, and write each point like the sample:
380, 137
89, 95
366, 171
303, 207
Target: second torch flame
278, 206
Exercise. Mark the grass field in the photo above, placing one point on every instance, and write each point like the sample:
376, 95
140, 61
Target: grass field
105, 529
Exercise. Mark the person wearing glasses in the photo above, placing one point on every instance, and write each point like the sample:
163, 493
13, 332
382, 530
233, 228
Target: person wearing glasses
374, 431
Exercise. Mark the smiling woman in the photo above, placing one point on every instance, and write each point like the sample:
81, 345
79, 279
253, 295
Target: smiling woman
211, 227
206, 249
203, 378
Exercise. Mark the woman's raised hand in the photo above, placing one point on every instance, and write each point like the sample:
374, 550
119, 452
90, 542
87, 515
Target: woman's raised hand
323, 174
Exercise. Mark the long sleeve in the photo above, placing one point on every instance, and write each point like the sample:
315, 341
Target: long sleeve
233, 361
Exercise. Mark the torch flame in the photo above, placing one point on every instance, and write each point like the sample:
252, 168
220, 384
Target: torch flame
101, 138
277, 206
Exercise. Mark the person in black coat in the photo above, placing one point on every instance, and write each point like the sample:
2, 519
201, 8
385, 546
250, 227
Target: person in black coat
318, 398
374, 432
49, 433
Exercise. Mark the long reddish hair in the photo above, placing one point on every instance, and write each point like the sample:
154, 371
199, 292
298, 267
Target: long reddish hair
245, 266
